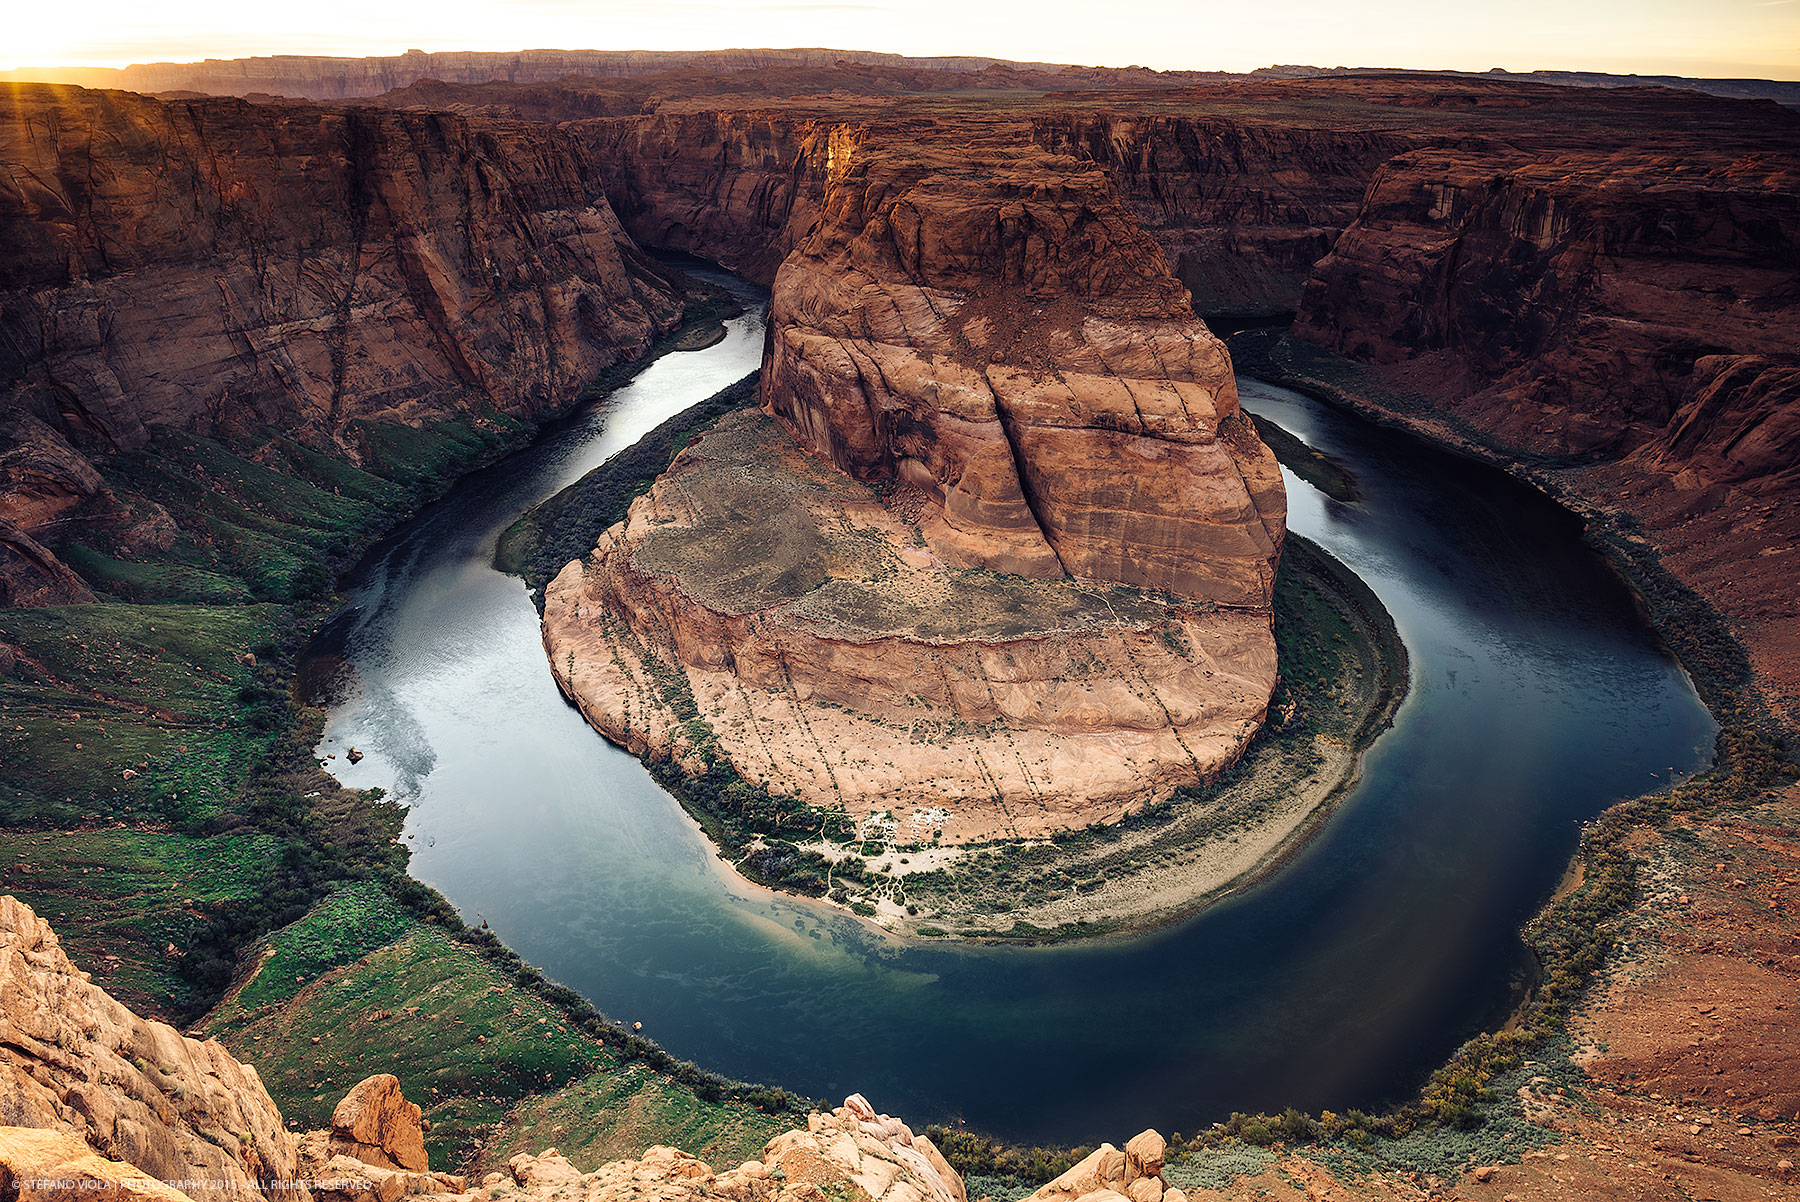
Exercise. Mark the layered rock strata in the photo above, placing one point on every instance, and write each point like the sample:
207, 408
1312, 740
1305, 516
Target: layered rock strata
990, 327
834, 654
1563, 303
739, 188
1022, 580
222, 268
1242, 208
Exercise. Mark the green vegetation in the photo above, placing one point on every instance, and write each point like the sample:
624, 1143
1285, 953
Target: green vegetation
976, 1155
1313, 466
344, 927
164, 809
486, 1057
1343, 673
120, 898
567, 525
1465, 1106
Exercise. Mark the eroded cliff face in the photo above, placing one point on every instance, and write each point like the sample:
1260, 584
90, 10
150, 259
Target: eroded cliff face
221, 268
1006, 562
828, 651
1562, 303
739, 188
990, 327
1243, 209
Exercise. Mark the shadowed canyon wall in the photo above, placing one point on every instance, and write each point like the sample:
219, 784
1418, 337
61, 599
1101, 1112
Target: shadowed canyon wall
220, 268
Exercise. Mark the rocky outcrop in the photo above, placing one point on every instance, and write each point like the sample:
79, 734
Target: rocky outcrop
38, 1165
75, 1062
236, 265
222, 268
374, 1151
990, 327
739, 188
826, 648
1015, 425
1740, 426
184, 1120
374, 1123
1134, 1174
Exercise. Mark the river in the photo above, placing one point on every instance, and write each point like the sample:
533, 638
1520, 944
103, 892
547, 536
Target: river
1538, 697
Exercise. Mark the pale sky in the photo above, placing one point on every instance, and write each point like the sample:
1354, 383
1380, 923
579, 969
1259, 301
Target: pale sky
1680, 37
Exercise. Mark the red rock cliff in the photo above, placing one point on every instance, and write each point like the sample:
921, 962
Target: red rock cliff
989, 325
1243, 209
1562, 302
218, 267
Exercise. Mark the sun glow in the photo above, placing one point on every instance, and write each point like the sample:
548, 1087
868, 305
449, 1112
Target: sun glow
1718, 37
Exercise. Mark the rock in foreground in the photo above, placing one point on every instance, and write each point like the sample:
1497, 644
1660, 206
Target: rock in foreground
74, 1060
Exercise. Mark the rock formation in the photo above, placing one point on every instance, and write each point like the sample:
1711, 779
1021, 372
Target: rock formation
1243, 209
1107, 1173
739, 188
832, 653
75, 1061
318, 77
374, 1151
990, 327
374, 1123
221, 268
1012, 413
54, 1166
1554, 298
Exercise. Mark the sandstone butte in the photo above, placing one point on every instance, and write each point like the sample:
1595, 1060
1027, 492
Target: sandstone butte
997, 555
96, 1102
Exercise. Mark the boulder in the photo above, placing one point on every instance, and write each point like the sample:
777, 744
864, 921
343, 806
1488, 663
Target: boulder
74, 1060
40, 1165
374, 1123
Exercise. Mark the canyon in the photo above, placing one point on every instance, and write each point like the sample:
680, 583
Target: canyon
974, 298
227, 270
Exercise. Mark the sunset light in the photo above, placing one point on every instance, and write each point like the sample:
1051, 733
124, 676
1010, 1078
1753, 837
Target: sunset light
1727, 38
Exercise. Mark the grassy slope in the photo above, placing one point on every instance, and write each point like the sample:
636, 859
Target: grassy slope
362, 984
160, 804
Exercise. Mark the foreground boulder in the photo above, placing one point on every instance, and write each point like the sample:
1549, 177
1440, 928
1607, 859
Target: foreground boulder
377, 1125
74, 1061
38, 1165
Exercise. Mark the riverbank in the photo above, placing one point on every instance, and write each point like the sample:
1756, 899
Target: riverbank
1692, 626
1667, 951
166, 810
1344, 672
1344, 675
